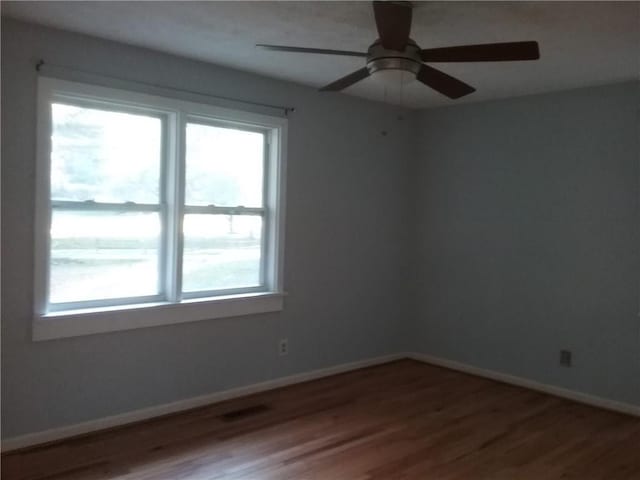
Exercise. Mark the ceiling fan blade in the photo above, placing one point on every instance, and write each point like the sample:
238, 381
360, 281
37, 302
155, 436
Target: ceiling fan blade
393, 20
347, 81
488, 52
443, 83
324, 51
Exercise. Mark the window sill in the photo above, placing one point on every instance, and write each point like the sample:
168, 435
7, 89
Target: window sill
73, 323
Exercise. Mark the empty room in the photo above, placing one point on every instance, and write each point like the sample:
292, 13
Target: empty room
320, 240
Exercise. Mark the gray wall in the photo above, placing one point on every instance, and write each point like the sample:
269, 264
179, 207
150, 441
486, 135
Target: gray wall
528, 237
346, 250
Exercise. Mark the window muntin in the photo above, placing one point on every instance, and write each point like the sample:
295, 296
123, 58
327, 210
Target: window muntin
174, 233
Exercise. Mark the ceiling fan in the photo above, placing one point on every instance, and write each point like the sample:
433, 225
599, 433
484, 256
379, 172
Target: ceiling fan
394, 50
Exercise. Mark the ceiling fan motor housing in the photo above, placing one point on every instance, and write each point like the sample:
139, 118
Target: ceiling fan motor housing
380, 58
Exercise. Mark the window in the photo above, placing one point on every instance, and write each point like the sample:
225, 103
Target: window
153, 210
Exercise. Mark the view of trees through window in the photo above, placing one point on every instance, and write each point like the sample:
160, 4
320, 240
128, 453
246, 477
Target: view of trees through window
107, 220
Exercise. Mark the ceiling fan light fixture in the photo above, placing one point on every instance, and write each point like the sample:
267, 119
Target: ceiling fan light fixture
394, 79
380, 58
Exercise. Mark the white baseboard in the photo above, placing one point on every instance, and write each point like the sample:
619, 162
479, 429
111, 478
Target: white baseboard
60, 433
591, 400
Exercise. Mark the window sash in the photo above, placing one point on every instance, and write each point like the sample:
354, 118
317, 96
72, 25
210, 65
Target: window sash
167, 281
262, 284
218, 123
91, 206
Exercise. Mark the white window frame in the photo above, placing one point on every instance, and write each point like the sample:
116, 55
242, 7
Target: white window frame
83, 318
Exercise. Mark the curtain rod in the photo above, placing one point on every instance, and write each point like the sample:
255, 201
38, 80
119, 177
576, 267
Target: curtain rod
41, 63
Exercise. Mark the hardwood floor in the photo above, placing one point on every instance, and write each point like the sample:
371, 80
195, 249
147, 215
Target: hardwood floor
403, 420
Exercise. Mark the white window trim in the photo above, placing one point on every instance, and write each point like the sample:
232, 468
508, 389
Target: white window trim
85, 321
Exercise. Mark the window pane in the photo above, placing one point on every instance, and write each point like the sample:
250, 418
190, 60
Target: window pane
104, 156
100, 255
221, 252
224, 166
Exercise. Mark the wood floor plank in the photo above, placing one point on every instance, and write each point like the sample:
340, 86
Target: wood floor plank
404, 420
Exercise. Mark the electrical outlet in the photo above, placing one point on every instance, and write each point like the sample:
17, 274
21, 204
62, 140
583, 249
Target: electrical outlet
565, 358
283, 346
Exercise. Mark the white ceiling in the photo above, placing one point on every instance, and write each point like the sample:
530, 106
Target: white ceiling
581, 43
